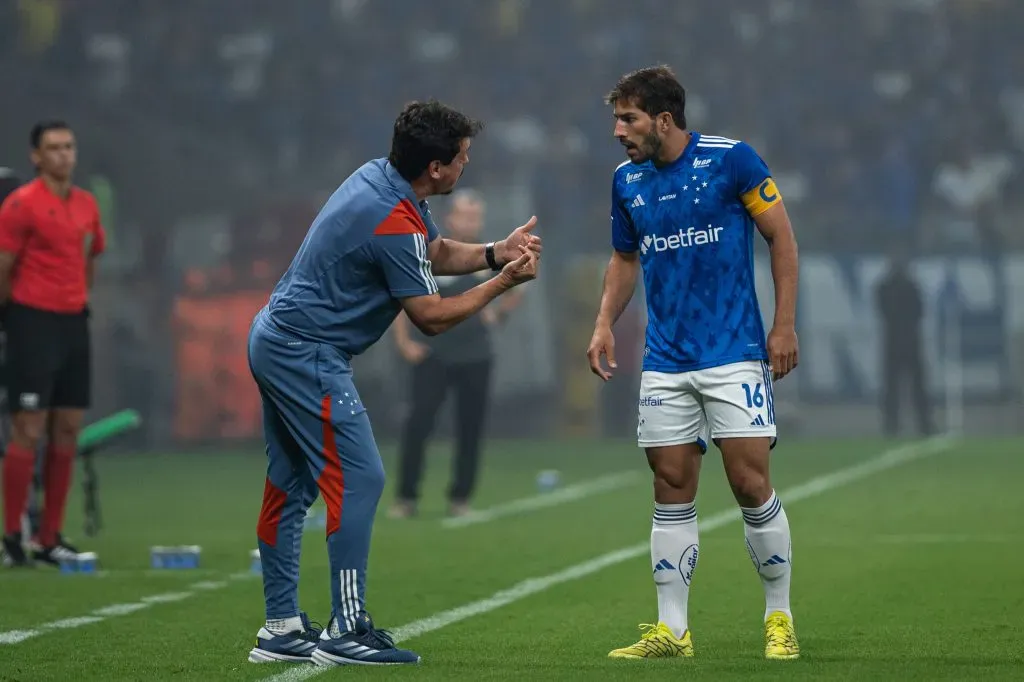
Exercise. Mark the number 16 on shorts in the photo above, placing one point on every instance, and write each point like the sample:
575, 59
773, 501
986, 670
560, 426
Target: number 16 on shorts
754, 396
757, 396
755, 401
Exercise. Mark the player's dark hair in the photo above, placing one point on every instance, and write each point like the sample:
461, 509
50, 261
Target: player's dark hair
43, 127
652, 90
425, 132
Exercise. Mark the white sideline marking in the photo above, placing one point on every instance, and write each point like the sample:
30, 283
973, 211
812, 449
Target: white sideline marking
120, 609
815, 486
68, 623
101, 614
15, 636
210, 585
570, 493
168, 598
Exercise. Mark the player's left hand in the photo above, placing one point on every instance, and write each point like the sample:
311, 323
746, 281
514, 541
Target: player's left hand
602, 343
783, 351
507, 250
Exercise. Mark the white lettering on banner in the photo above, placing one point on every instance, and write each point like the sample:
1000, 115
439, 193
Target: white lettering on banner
834, 322
840, 330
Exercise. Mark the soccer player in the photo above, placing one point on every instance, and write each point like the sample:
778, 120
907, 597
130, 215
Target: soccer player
684, 210
371, 252
50, 237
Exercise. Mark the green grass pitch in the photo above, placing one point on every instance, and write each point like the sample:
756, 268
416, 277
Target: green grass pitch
914, 572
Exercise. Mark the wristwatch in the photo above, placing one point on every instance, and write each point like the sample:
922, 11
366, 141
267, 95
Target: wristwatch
489, 255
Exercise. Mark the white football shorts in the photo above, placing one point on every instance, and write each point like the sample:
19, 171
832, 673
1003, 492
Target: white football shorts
729, 401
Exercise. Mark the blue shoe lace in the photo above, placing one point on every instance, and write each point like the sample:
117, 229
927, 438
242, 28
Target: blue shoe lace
312, 629
379, 639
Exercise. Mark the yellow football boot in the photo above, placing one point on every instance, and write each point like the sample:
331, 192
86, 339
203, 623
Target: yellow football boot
780, 637
657, 641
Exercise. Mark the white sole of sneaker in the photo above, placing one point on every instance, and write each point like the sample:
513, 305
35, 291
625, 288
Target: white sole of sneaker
262, 656
327, 660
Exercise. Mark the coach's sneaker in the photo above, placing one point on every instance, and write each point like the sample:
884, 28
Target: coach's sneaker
14, 553
295, 646
780, 637
657, 641
366, 645
54, 554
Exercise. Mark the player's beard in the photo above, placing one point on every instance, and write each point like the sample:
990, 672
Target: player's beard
650, 148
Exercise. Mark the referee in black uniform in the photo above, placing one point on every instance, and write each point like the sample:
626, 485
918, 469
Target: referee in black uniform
459, 361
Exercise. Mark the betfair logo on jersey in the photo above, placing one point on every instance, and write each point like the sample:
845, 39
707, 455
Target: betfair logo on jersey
650, 401
684, 239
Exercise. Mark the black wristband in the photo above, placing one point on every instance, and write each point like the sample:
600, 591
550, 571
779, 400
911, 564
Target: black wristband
489, 255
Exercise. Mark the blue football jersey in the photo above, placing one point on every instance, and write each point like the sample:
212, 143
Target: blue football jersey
692, 222
365, 250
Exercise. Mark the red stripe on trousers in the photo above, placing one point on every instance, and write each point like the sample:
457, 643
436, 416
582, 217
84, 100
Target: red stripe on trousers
332, 478
270, 514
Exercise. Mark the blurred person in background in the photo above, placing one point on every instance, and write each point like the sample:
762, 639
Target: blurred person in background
50, 237
899, 305
460, 361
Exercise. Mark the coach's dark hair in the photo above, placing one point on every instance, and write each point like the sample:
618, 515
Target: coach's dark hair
652, 91
426, 132
43, 127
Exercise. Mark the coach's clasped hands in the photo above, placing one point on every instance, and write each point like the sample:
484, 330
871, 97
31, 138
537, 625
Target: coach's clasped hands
521, 253
783, 351
522, 269
508, 249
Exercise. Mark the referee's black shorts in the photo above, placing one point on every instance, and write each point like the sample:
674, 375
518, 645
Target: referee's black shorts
48, 359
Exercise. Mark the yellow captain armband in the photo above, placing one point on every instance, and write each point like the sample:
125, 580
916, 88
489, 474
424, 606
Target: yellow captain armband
762, 197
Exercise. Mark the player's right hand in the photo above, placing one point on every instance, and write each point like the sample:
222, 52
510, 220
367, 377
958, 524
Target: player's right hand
522, 269
602, 343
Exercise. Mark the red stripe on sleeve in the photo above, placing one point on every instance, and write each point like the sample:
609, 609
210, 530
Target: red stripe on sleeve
403, 219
